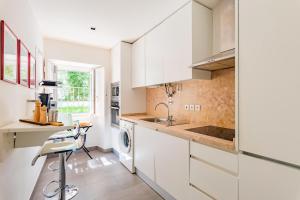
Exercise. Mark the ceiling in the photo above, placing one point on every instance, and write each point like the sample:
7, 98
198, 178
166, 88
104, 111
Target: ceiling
115, 20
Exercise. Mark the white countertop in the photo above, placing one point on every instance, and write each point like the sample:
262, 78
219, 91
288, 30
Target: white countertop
26, 127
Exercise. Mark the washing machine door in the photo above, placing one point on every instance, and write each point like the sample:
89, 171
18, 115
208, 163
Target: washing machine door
125, 141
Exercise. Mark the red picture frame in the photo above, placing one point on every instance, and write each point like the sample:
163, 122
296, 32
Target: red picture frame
23, 47
32, 72
5, 58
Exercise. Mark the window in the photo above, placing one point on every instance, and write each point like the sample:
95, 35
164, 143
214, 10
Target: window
75, 96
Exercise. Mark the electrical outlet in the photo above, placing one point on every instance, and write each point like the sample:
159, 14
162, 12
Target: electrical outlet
186, 107
192, 107
197, 107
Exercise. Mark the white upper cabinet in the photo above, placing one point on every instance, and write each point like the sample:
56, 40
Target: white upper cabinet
116, 63
174, 46
138, 64
154, 44
177, 55
269, 98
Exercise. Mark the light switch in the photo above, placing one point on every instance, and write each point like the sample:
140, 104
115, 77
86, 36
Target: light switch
192, 107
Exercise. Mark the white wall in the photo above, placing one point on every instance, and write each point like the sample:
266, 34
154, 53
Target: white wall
18, 15
99, 135
13, 99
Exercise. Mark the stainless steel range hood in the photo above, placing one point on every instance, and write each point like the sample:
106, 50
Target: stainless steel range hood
223, 60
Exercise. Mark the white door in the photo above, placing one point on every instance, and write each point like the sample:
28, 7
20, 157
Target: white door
172, 164
269, 83
144, 150
138, 63
264, 180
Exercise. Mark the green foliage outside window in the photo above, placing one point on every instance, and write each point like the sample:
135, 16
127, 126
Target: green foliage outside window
9, 72
76, 88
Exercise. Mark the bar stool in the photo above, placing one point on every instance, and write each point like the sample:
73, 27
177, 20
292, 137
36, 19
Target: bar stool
64, 192
61, 136
81, 128
70, 133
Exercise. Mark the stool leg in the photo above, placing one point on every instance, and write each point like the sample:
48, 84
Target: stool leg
87, 152
62, 176
69, 155
67, 192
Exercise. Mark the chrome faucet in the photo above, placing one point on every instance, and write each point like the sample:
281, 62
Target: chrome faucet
170, 117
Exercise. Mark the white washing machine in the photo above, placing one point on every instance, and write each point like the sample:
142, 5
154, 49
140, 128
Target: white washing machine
126, 145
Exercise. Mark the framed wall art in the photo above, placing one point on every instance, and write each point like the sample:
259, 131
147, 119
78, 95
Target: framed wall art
23, 65
8, 54
32, 71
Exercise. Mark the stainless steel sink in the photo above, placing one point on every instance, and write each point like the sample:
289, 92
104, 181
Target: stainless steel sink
155, 120
164, 121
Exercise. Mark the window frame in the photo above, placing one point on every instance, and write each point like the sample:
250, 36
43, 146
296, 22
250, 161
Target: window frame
91, 89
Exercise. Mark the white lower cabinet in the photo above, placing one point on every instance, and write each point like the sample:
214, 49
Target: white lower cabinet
214, 172
144, 151
164, 159
263, 180
186, 170
195, 194
215, 182
172, 164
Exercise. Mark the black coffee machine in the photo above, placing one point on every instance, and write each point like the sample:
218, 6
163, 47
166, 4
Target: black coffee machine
45, 99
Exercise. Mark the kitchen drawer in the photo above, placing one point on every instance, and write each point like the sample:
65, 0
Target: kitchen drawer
219, 158
213, 181
195, 194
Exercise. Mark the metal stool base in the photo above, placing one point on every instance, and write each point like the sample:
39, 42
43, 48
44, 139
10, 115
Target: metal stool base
70, 192
48, 194
53, 166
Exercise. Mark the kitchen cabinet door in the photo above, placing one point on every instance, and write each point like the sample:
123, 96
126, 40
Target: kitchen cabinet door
144, 151
178, 45
269, 78
138, 64
262, 179
172, 164
195, 194
155, 49
213, 180
116, 63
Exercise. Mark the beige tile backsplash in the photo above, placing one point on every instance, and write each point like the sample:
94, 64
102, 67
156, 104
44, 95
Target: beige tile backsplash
215, 96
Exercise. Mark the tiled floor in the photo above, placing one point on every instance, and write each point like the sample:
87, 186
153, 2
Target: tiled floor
103, 178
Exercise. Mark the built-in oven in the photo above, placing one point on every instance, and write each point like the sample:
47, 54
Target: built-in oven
115, 105
115, 91
115, 119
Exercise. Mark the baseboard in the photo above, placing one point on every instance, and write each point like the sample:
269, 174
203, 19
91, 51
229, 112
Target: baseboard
100, 149
116, 152
93, 148
164, 194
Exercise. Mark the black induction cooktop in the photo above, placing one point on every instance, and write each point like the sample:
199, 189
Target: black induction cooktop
215, 131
